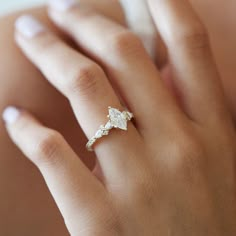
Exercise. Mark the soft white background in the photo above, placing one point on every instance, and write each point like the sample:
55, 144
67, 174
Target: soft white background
11, 5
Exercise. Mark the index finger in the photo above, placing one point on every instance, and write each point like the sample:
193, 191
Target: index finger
71, 184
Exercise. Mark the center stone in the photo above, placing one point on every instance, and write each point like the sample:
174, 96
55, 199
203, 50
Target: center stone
117, 118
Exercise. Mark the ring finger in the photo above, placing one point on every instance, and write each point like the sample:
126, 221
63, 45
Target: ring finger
125, 60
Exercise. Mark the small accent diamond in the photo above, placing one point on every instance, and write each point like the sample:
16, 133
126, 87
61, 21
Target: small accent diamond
99, 133
108, 125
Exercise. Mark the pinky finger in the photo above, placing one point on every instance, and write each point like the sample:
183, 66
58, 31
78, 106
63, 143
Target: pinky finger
70, 182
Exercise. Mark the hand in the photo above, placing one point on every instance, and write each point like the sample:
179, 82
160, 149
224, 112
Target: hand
173, 172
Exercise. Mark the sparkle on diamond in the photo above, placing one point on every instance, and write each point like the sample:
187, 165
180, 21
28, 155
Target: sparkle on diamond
117, 119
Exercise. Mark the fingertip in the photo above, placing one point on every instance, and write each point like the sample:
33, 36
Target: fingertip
29, 26
10, 115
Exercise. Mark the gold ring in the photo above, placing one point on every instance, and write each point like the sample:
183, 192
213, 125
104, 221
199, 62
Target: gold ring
117, 120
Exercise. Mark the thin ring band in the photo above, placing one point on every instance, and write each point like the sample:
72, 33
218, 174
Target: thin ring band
117, 120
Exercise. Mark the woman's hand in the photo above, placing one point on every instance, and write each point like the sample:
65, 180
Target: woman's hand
173, 172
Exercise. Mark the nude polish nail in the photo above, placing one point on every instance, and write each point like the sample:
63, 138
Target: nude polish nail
10, 115
29, 26
62, 5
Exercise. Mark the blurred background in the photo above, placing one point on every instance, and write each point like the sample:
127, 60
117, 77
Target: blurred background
11, 5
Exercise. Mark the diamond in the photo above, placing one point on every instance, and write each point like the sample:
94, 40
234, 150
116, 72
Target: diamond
108, 125
99, 134
106, 132
128, 115
117, 119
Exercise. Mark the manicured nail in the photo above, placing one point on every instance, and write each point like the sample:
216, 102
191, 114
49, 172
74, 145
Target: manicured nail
62, 5
29, 26
10, 115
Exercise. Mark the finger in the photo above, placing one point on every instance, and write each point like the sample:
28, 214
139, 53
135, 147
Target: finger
141, 23
70, 182
85, 85
197, 79
126, 62
109, 8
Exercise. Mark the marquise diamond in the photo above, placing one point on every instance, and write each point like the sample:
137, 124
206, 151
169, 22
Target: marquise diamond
117, 119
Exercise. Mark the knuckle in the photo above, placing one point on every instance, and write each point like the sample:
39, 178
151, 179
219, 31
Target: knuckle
188, 161
187, 147
114, 227
111, 222
85, 81
48, 45
195, 37
47, 147
145, 190
126, 42
88, 14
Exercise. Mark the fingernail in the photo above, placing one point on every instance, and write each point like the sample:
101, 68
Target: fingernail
29, 26
62, 5
10, 115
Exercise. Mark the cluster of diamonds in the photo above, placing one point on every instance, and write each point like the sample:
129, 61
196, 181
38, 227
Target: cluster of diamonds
117, 120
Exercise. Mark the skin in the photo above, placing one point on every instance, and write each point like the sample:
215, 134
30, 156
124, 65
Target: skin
11, 165
177, 171
33, 211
